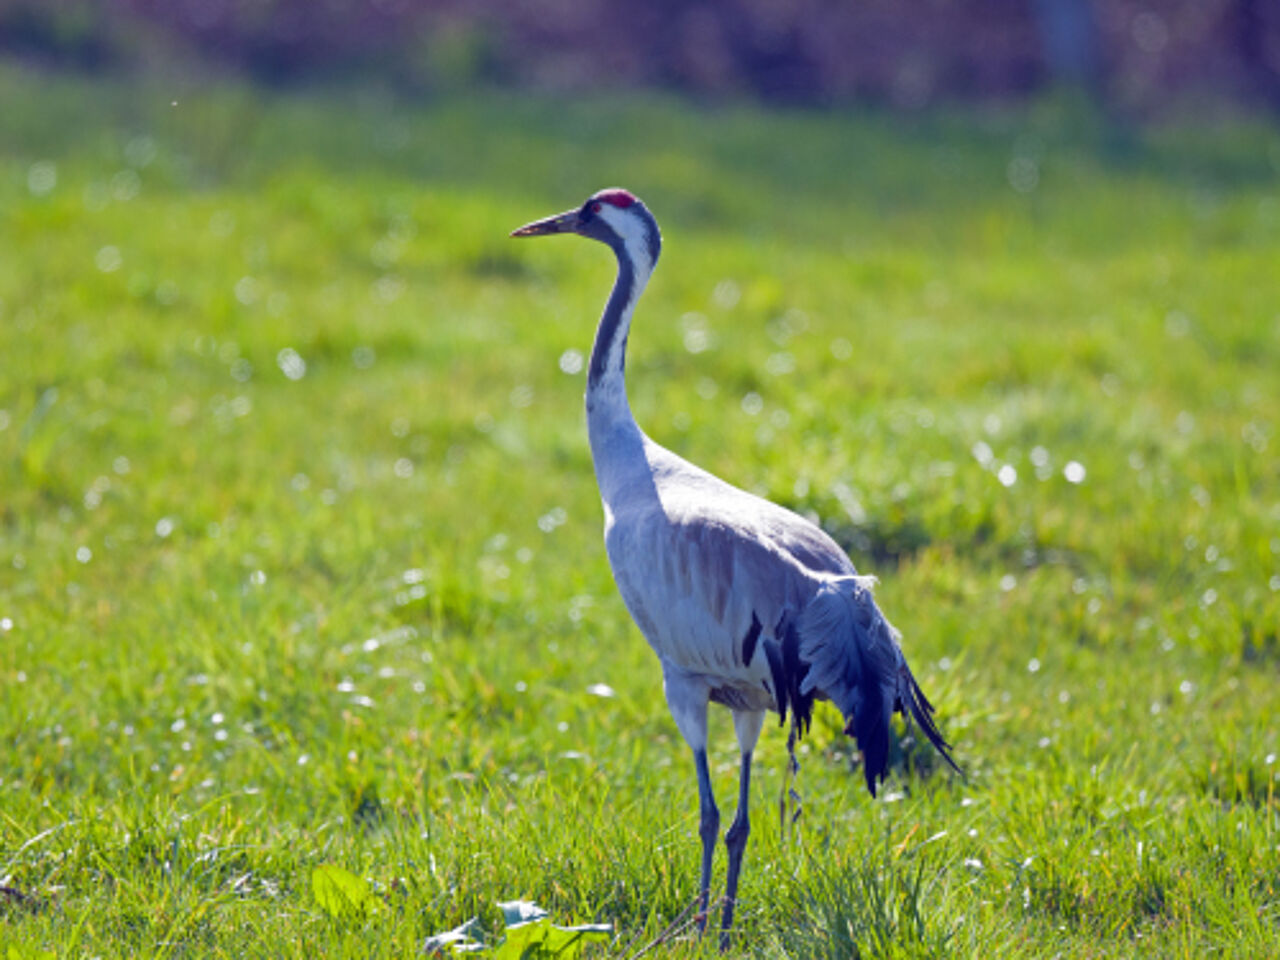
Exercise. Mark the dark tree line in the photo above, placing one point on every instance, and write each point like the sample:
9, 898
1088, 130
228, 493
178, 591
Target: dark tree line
1130, 52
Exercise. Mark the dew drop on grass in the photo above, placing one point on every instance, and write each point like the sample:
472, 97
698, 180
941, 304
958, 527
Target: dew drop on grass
6, 624
1074, 471
601, 690
752, 403
248, 291
780, 364
726, 294
140, 151
42, 177
1007, 475
125, 185
84, 554
1033, 665
1008, 582
553, 518
108, 259
571, 362
291, 363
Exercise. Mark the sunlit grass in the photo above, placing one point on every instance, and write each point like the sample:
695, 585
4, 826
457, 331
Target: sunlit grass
300, 555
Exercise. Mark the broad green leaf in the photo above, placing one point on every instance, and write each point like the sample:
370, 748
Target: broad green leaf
17, 952
568, 942
540, 938
340, 893
523, 940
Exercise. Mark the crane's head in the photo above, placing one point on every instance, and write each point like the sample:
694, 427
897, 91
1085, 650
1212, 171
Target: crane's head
615, 217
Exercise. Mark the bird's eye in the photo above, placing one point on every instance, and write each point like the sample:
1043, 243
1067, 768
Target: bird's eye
595, 207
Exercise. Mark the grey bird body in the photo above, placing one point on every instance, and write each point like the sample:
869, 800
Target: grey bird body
745, 603
718, 559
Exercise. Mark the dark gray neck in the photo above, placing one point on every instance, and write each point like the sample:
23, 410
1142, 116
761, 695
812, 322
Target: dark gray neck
609, 352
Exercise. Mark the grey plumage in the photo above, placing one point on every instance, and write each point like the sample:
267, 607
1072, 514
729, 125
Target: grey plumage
745, 603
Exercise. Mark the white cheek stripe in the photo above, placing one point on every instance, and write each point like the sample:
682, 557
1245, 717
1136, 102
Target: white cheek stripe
635, 236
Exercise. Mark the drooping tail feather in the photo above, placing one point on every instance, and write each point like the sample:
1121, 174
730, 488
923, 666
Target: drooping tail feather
921, 711
853, 659
788, 670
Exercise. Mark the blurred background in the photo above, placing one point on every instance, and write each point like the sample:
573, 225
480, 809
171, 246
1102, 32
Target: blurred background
1133, 55
300, 550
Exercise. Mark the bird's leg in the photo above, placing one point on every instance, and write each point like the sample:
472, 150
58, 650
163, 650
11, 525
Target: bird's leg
747, 725
736, 840
708, 829
687, 696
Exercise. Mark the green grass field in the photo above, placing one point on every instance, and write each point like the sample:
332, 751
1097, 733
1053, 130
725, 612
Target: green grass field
300, 557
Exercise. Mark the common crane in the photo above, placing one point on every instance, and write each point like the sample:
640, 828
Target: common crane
745, 603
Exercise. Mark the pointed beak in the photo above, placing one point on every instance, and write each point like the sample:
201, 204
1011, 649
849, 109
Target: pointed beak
566, 222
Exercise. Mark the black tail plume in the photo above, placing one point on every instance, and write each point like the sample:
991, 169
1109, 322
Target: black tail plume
920, 710
795, 669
